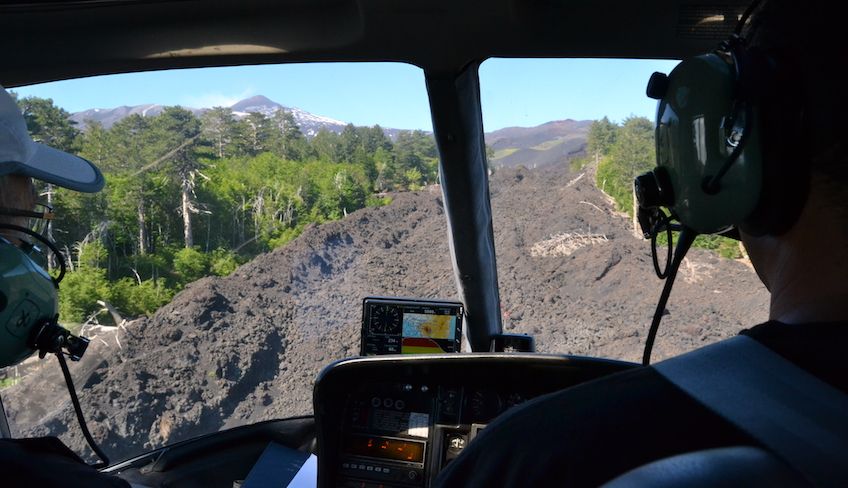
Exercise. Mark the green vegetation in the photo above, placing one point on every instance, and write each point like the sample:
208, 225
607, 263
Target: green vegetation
191, 196
548, 144
625, 151
502, 153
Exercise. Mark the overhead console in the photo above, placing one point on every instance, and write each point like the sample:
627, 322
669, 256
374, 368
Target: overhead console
397, 421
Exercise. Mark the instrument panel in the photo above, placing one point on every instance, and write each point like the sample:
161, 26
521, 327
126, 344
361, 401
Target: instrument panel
408, 326
399, 420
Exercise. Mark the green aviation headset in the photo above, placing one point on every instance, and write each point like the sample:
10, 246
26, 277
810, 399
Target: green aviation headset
29, 306
728, 157
27, 298
29, 316
726, 131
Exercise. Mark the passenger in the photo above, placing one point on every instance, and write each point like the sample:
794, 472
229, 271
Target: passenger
592, 433
43, 461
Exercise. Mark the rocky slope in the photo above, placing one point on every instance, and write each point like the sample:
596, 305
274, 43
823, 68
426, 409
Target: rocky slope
234, 350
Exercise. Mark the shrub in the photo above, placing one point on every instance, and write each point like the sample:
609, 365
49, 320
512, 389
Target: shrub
285, 236
190, 264
376, 201
223, 262
79, 292
133, 299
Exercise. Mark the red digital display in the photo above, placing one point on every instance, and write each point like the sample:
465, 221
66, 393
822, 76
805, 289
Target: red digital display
386, 448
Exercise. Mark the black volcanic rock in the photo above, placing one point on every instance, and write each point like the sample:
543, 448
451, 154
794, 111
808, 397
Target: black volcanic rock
247, 347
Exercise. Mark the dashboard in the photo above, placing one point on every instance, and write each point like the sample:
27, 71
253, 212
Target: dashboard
390, 421
397, 421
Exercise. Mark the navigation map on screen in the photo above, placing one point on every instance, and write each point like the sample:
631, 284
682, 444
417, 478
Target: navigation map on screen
421, 333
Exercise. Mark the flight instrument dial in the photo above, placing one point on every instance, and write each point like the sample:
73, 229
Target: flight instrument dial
385, 320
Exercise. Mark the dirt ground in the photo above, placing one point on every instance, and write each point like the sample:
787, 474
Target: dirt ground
247, 347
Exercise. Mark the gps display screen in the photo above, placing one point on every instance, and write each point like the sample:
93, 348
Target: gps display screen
402, 326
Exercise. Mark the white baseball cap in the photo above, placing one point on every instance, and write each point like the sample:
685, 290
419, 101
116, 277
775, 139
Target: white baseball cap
19, 154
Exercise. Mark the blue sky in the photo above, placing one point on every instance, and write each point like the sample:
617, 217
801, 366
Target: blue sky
513, 92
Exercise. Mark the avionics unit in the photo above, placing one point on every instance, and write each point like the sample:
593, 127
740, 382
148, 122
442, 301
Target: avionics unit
408, 326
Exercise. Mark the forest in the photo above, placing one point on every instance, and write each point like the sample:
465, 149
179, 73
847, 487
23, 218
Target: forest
189, 196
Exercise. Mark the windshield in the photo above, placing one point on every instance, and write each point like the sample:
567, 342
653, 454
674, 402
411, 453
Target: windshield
247, 213
566, 138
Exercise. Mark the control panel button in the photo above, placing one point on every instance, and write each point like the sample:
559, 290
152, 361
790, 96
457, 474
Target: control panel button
456, 442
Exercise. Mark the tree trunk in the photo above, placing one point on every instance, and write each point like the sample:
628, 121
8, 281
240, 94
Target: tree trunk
142, 228
189, 242
51, 259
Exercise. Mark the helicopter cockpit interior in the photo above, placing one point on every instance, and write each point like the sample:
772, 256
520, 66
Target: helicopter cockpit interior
423, 375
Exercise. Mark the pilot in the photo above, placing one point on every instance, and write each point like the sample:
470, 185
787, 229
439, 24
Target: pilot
43, 461
596, 432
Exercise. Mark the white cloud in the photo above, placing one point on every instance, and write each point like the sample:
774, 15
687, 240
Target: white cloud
217, 99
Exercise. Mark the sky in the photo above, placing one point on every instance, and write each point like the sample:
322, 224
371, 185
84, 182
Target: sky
514, 92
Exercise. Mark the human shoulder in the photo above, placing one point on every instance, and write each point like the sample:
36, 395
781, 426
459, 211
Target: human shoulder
587, 434
815, 347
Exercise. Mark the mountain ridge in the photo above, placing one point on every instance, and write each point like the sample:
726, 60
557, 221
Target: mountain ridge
256, 100
310, 124
550, 143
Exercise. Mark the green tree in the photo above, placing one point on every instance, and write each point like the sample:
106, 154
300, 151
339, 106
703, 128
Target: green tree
349, 143
374, 138
415, 150
190, 264
259, 131
130, 152
385, 166
94, 144
85, 285
631, 154
48, 123
328, 146
287, 140
221, 129
601, 138
178, 131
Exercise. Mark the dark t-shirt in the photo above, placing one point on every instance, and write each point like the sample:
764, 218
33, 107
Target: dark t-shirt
593, 432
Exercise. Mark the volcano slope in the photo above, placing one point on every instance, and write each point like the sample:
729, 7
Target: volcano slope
247, 347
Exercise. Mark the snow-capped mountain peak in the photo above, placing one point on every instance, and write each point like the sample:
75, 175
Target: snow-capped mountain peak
310, 124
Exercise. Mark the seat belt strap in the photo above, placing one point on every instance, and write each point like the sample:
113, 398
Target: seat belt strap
798, 417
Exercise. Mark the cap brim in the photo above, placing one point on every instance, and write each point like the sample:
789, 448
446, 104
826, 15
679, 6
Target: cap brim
63, 169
